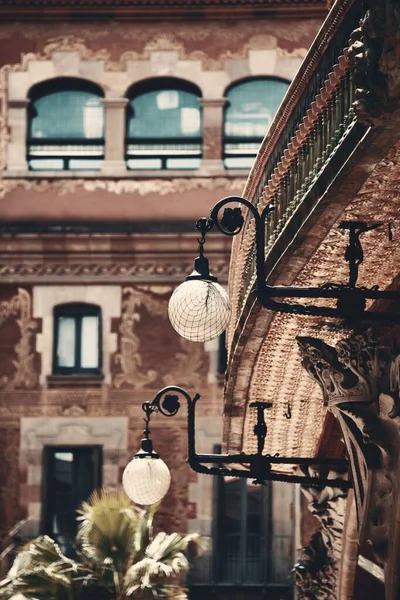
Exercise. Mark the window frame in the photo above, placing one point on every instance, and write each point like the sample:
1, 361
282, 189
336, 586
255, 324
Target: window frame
153, 85
76, 310
61, 84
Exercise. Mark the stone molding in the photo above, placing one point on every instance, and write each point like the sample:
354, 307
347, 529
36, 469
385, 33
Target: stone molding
20, 308
38, 432
360, 384
68, 56
45, 298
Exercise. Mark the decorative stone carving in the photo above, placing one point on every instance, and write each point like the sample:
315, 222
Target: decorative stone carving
144, 187
316, 573
360, 384
188, 359
374, 52
128, 357
20, 306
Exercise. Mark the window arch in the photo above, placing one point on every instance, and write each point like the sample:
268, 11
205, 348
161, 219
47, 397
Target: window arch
163, 125
251, 107
77, 339
66, 125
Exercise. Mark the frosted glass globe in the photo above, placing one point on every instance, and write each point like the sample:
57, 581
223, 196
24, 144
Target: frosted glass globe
146, 480
199, 310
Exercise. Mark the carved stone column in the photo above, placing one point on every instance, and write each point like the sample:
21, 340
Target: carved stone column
316, 573
213, 128
115, 119
359, 379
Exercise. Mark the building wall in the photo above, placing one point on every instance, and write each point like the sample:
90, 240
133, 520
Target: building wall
130, 275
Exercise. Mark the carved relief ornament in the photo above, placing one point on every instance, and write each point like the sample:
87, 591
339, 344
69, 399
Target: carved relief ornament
359, 379
374, 53
317, 572
20, 306
133, 372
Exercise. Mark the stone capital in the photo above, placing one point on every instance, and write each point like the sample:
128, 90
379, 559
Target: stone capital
114, 102
213, 102
359, 379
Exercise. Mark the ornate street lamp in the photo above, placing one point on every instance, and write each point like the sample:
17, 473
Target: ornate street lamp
199, 308
146, 478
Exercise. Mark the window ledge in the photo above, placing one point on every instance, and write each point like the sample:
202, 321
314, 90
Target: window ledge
75, 380
231, 173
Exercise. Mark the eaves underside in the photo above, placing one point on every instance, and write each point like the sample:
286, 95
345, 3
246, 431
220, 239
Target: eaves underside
22, 10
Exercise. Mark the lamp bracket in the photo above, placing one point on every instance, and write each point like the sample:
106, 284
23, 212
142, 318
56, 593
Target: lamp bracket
257, 466
351, 300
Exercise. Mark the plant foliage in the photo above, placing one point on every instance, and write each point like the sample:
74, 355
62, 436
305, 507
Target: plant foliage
117, 557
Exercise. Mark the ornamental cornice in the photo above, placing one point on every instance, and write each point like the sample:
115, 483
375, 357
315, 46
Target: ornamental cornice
69, 272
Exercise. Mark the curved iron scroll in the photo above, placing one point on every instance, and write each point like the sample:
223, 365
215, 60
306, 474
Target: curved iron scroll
256, 466
351, 300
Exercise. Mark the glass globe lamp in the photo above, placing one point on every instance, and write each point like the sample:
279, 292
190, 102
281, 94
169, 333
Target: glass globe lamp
199, 309
146, 479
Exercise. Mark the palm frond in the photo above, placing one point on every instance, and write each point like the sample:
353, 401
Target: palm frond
165, 547
107, 528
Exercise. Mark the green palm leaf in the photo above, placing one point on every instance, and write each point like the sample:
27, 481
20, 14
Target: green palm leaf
107, 529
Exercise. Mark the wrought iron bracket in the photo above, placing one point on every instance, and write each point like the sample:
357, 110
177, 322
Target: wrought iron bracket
351, 300
258, 466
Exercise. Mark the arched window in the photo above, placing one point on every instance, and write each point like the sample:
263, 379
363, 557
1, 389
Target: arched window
77, 339
251, 107
163, 128
66, 126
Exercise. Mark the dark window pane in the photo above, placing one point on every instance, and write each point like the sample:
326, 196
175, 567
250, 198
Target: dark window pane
67, 114
77, 339
165, 113
70, 475
251, 108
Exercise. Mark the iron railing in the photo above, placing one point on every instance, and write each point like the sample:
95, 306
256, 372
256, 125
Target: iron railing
314, 126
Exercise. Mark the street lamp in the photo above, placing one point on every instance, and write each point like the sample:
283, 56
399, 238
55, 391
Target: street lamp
146, 478
350, 298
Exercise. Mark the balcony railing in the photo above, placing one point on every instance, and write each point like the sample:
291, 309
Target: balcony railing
313, 134
65, 154
163, 153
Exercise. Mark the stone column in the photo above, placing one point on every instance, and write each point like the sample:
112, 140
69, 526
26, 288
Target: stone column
18, 124
360, 381
115, 126
213, 132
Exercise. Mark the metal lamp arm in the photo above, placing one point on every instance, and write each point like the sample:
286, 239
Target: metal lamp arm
235, 225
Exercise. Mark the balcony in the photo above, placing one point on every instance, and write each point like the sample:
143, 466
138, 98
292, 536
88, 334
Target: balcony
321, 162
